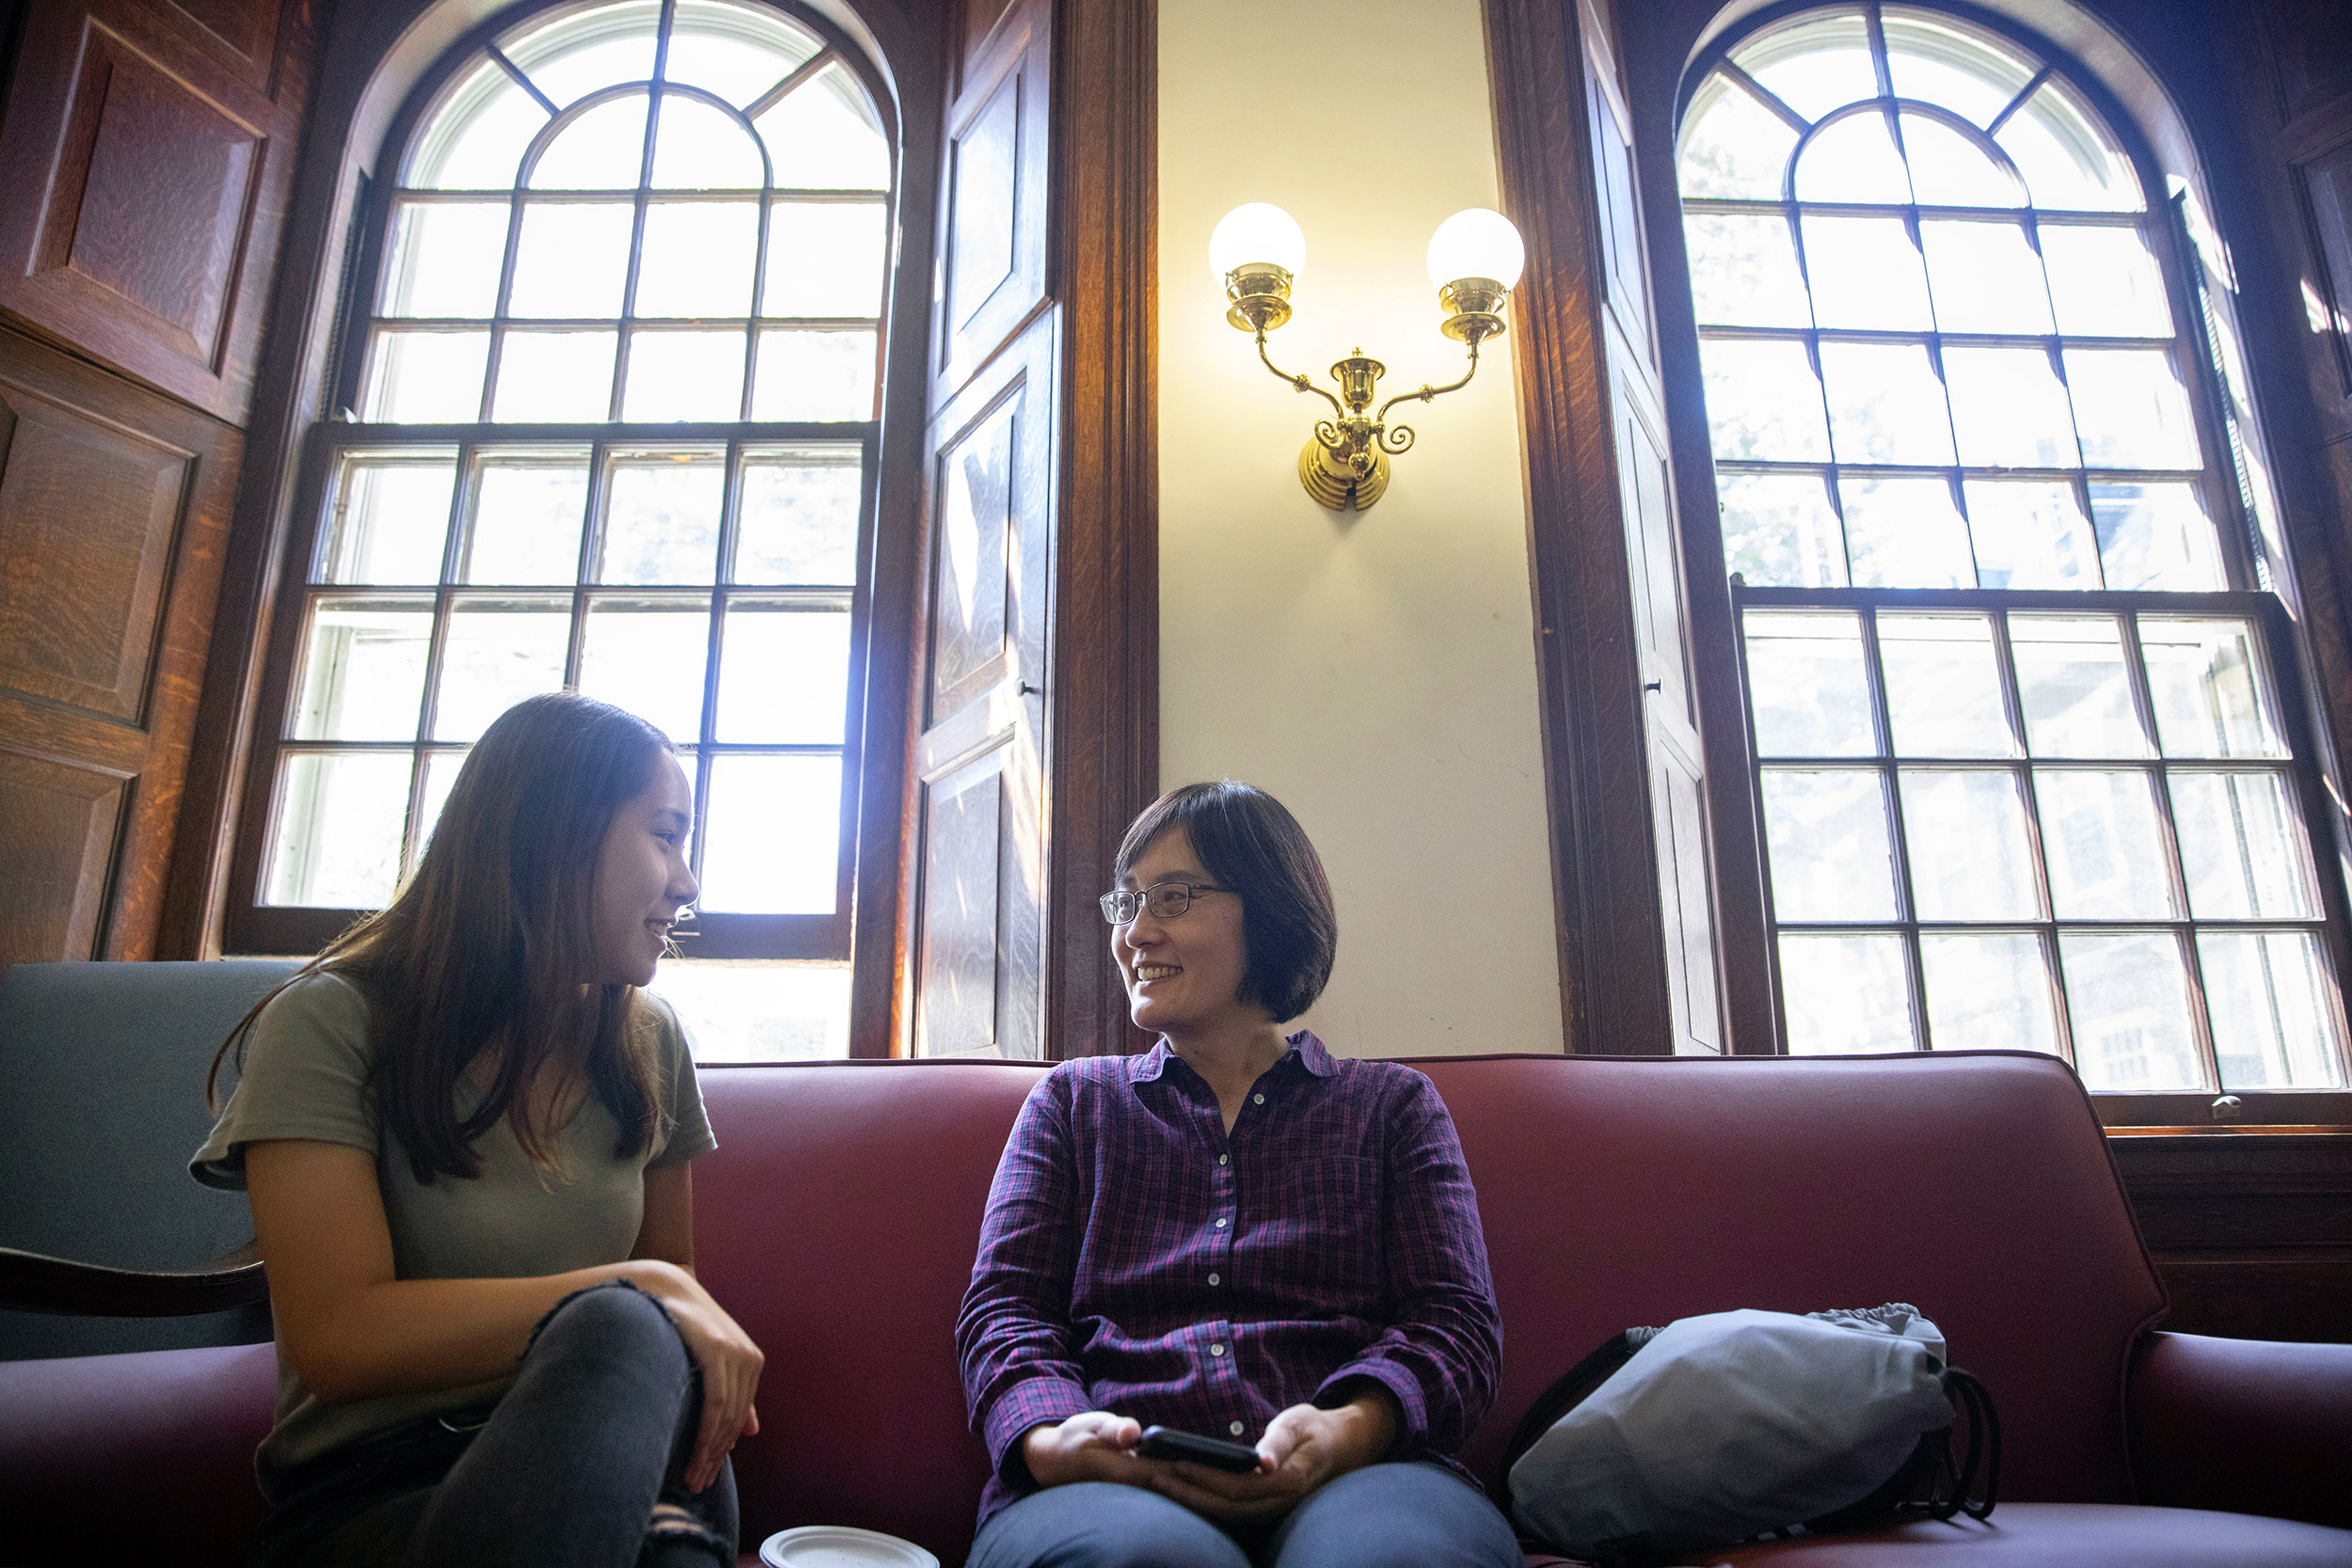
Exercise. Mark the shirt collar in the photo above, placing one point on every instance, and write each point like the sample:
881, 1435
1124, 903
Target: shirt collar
1307, 1051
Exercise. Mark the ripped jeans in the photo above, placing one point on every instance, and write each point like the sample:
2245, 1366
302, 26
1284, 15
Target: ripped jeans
563, 1472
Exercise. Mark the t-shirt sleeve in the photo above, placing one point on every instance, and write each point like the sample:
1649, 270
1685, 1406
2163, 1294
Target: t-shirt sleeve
690, 1136
306, 1076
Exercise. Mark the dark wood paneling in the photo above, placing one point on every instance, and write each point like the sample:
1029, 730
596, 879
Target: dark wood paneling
972, 591
114, 509
981, 18
995, 180
2251, 1233
57, 835
2327, 192
146, 160
2309, 50
1106, 656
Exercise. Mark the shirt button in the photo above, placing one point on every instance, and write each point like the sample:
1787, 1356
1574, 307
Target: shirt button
1257, 1098
1217, 1350
1220, 1224
1236, 1429
1224, 1159
1215, 1279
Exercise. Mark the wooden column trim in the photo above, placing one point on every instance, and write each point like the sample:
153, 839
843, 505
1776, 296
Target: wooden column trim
1105, 756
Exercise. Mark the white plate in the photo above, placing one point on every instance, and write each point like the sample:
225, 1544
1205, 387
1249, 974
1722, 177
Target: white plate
840, 1546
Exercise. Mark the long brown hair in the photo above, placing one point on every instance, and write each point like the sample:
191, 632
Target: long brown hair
491, 946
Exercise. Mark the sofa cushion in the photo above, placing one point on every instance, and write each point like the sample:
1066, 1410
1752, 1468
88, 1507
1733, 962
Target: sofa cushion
2068, 1535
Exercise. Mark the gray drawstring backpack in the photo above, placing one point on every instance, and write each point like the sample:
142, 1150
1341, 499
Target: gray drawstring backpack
1721, 1428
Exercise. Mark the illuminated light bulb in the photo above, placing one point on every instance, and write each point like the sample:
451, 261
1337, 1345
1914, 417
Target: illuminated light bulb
1256, 234
1477, 241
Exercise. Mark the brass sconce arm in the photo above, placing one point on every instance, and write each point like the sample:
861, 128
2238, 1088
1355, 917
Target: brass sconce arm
1426, 391
1299, 383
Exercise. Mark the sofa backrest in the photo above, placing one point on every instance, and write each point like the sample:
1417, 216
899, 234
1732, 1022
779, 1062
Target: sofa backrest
838, 1218
104, 1068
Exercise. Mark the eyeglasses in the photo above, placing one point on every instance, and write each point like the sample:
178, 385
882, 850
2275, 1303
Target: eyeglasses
1165, 900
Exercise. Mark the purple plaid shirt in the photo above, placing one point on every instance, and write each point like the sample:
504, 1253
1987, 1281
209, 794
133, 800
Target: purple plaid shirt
1135, 1259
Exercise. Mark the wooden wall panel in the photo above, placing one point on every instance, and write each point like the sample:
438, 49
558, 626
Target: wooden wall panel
995, 185
114, 514
145, 160
2251, 1233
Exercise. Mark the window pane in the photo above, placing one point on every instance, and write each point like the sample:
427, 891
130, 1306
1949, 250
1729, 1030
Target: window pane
662, 515
798, 516
2104, 848
2241, 847
445, 259
554, 377
783, 673
1885, 404
1971, 857
2104, 282
2127, 994
773, 838
735, 53
2066, 159
648, 655
1866, 273
2155, 536
475, 135
2010, 408
813, 375
1947, 169
572, 260
498, 652
700, 147
1805, 676
1988, 992
389, 520
826, 258
1944, 686
823, 136
1853, 160
1905, 532
1733, 145
1846, 995
743, 1010
584, 49
337, 839
425, 378
2030, 534
698, 259
440, 775
1986, 278
2202, 684
2131, 408
363, 670
1762, 400
2076, 694
525, 516
1937, 62
684, 375
1780, 531
2275, 1025
1814, 66
1830, 847
604, 150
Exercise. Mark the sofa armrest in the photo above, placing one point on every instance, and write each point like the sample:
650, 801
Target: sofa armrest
2249, 1426
31, 1282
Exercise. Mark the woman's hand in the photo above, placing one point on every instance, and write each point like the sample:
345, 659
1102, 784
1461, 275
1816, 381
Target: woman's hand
1303, 1448
1097, 1446
730, 1366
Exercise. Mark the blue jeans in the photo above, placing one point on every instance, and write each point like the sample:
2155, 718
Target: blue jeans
1382, 1516
564, 1473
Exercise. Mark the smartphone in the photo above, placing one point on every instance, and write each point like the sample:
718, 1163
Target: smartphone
1168, 1443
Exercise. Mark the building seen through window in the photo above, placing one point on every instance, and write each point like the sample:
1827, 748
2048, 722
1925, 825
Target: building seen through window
616, 419
2025, 772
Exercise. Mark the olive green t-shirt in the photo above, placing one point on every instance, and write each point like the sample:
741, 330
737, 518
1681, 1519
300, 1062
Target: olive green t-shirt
306, 1076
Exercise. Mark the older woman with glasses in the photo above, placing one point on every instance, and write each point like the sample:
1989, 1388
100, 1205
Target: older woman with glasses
1236, 1236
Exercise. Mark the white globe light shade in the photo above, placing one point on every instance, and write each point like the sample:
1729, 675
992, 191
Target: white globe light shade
1477, 241
1257, 231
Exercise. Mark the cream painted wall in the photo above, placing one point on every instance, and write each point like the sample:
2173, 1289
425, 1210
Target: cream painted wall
1374, 669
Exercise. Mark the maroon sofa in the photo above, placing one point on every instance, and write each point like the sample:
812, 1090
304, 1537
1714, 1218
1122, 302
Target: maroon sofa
838, 1216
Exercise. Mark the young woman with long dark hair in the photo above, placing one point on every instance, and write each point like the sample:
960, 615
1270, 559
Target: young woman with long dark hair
465, 1134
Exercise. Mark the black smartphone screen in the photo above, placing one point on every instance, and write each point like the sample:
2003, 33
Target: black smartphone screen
1168, 1443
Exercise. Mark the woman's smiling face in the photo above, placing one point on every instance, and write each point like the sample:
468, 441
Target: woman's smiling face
642, 878
1181, 973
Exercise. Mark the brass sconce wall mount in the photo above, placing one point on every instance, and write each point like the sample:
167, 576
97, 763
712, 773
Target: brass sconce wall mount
1474, 258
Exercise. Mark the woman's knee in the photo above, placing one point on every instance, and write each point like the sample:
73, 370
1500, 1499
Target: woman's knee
615, 1320
1100, 1525
1408, 1515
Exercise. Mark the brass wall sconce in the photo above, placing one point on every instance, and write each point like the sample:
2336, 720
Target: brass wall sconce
1257, 252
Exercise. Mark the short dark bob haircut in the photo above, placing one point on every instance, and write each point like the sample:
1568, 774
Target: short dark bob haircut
1250, 843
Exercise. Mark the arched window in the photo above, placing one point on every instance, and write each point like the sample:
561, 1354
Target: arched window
614, 414
2026, 742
